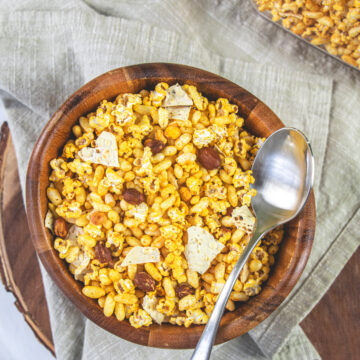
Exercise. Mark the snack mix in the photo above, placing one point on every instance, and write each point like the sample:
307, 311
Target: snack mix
333, 24
150, 206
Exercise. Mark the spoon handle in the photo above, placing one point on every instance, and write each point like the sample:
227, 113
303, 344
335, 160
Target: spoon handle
205, 344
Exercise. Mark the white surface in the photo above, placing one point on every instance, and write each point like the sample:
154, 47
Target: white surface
17, 341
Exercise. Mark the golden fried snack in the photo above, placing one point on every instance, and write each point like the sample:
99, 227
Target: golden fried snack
333, 24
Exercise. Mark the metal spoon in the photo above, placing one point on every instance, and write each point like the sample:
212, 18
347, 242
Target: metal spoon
284, 173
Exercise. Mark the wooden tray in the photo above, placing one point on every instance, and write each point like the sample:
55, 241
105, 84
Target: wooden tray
332, 326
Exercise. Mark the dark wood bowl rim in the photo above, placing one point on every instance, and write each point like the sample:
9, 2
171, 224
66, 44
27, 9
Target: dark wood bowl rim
293, 253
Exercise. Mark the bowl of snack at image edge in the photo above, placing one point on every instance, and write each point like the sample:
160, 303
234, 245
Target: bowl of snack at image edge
131, 193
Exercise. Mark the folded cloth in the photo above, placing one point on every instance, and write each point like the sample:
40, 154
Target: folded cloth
49, 49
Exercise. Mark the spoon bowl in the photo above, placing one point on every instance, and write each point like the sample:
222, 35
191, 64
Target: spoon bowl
284, 175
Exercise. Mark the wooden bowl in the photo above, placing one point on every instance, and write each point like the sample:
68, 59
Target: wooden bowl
260, 120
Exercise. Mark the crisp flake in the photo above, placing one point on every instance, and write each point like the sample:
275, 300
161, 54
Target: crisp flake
149, 305
105, 151
178, 112
142, 255
201, 249
243, 219
177, 96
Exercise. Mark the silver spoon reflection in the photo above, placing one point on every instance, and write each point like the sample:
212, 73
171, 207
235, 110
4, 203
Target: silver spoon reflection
284, 173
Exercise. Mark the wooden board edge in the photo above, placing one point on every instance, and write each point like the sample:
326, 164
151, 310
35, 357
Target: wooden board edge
5, 271
4, 264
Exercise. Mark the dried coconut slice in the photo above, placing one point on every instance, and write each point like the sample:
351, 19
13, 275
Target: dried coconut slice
104, 153
243, 219
201, 249
49, 221
149, 305
141, 255
177, 96
81, 265
178, 112
73, 233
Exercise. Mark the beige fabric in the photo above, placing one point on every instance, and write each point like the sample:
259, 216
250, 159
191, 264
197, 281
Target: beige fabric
49, 49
